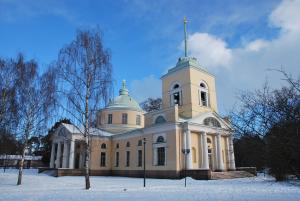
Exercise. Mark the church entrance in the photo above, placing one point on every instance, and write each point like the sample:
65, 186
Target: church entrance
77, 159
210, 159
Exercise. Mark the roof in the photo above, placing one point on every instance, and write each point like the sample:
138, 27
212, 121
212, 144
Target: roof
124, 100
184, 62
93, 131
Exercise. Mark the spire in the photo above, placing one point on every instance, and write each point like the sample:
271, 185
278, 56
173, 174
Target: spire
123, 90
185, 37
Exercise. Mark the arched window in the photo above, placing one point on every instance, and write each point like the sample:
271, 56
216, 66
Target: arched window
203, 94
176, 86
213, 122
103, 146
140, 143
208, 141
159, 120
160, 139
117, 146
176, 95
128, 144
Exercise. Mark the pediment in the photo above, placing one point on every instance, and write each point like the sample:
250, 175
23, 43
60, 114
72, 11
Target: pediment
62, 132
211, 119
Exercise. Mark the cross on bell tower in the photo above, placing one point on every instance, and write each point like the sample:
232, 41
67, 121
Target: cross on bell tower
185, 37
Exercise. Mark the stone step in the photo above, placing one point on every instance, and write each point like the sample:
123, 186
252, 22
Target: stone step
230, 175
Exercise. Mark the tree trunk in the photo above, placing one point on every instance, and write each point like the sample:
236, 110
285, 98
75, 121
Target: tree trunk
22, 164
87, 143
87, 159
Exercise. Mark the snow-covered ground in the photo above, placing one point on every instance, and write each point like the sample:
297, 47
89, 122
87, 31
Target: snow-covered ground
43, 188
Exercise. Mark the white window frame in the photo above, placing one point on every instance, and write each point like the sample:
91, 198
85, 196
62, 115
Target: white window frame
177, 90
205, 90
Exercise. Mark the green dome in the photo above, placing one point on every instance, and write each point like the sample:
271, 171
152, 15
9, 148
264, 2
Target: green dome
124, 100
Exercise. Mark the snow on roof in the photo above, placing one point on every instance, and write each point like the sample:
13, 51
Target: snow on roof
93, 131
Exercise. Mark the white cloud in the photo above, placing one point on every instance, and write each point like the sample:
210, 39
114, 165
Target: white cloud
247, 67
210, 50
287, 16
256, 45
147, 87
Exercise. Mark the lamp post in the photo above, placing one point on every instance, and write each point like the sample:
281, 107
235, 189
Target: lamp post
185, 152
144, 142
5, 162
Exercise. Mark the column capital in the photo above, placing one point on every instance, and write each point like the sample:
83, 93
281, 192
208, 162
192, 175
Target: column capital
203, 133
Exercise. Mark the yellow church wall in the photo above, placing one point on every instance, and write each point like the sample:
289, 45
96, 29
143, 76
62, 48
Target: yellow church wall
172, 151
117, 117
170, 114
117, 125
182, 77
96, 153
189, 80
196, 77
195, 149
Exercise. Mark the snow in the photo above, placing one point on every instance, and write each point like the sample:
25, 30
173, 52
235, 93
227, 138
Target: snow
46, 188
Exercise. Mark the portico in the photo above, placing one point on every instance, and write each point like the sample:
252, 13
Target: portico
212, 155
64, 150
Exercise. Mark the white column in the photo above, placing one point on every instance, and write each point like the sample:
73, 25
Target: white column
189, 164
219, 151
205, 164
231, 153
155, 156
65, 155
58, 154
71, 154
227, 152
216, 157
52, 155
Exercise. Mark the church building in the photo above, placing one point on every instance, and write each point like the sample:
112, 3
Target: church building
186, 133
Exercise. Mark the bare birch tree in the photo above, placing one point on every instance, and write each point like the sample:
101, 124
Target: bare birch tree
86, 75
35, 96
8, 112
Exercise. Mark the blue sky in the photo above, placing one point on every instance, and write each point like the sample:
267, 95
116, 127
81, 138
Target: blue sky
235, 40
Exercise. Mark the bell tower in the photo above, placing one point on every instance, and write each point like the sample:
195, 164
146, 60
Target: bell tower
189, 86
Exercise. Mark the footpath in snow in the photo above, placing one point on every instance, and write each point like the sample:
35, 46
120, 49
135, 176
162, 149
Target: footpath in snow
42, 187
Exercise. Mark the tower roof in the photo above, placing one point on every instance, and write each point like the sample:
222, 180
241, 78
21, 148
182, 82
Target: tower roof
124, 100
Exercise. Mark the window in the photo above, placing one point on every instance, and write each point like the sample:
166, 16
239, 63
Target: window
128, 144
117, 159
208, 141
103, 146
160, 156
140, 142
176, 95
140, 158
160, 119
138, 120
102, 159
203, 94
110, 117
160, 139
210, 121
117, 146
127, 158
124, 118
